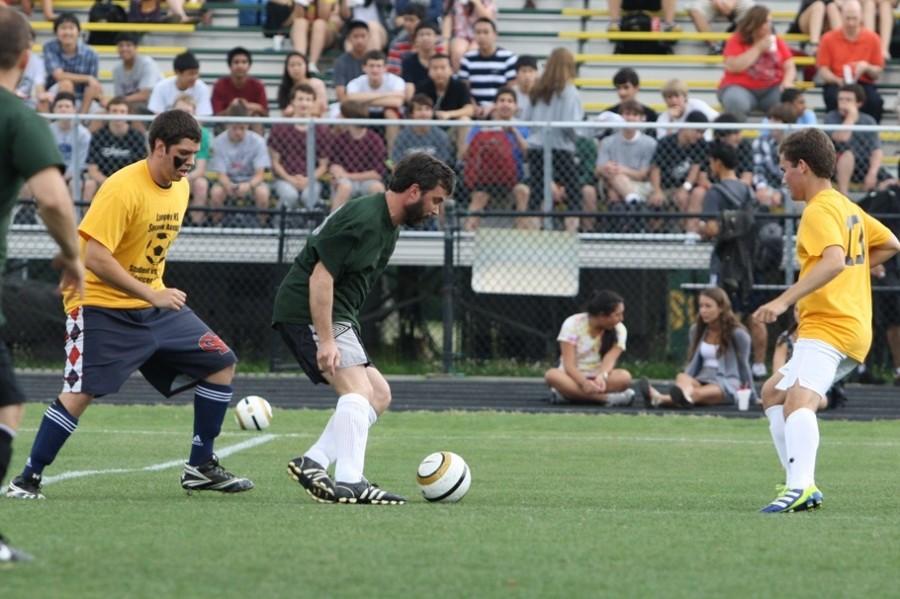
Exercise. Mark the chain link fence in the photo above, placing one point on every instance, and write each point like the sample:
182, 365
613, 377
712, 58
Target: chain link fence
543, 215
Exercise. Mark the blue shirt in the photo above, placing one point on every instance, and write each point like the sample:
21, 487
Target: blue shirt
83, 62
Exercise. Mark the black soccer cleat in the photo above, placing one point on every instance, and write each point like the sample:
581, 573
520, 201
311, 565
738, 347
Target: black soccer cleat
25, 488
10, 555
313, 478
365, 493
212, 477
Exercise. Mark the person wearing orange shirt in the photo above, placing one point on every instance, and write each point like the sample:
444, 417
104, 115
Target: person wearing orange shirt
851, 54
837, 245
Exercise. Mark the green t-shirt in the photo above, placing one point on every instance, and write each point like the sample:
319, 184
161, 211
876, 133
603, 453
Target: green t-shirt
26, 148
205, 137
354, 243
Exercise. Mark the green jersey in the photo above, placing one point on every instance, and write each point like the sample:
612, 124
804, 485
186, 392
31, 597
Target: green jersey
26, 148
354, 243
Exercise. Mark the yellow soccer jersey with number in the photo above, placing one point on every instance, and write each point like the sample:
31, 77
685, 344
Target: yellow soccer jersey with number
839, 313
136, 220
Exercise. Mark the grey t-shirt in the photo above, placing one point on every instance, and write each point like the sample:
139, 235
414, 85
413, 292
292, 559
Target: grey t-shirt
73, 144
636, 153
434, 142
861, 143
239, 160
346, 68
143, 74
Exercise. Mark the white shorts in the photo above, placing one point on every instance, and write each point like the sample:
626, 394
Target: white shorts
815, 365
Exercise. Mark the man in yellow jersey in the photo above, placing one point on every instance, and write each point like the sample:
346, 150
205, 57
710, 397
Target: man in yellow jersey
129, 320
837, 244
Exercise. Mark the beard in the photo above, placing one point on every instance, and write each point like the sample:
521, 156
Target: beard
415, 214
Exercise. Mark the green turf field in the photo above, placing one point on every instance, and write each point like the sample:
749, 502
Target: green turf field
560, 505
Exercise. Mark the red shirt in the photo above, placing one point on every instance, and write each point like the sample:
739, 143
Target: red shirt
836, 50
767, 71
224, 92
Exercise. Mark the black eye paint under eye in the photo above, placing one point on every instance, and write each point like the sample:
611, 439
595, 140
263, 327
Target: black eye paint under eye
179, 161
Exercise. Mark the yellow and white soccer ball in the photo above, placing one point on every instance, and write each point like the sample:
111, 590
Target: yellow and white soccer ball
253, 413
444, 476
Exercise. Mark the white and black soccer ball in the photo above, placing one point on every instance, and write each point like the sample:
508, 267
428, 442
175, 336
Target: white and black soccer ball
253, 413
443, 476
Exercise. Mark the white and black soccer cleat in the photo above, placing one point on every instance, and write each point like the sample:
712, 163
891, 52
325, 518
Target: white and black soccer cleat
365, 493
22, 488
313, 478
212, 477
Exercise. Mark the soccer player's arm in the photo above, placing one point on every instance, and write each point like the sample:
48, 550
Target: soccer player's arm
882, 243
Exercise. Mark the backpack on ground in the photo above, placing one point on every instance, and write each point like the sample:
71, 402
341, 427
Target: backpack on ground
639, 21
490, 160
105, 11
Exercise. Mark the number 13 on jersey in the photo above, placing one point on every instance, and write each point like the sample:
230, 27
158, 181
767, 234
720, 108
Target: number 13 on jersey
856, 243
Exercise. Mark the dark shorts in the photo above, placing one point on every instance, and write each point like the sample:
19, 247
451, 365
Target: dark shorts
10, 392
565, 174
174, 350
493, 190
304, 344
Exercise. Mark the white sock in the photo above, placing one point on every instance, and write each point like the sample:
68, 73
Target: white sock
801, 436
352, 419
323, 450
775, 414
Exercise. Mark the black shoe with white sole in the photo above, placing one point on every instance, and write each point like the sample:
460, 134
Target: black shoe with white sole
212, 477
313, 478
365, 493
25, 488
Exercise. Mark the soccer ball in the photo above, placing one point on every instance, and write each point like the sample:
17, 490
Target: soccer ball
443, 476
253, 413
157, 247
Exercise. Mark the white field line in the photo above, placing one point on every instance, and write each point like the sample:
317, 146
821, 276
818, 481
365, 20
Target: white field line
508, 437
222, 453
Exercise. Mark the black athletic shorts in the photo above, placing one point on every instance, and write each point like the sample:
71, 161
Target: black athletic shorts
10, 392
303, 342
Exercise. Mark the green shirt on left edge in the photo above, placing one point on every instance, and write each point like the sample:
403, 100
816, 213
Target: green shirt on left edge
26, 148
354, 243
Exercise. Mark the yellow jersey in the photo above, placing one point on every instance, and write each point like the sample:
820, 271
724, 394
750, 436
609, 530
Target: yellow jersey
137, 221
840, 312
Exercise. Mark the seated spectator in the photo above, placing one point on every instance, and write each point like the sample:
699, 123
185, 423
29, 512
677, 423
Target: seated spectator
117, 144
743, 147
719, 359
797, 99
349, 65
623, 162
31, 87
555, 98
411, 17
434, 9
46, 8
758, 65
382, 93
239, 87
186, 80
71, 65
315, 27
813, 18
414, 67
880, 12
590, 345
240, 160
667, 7
859, 152
368, 12
356, 158
487, 68
851, 54
197, 177
767, 174
428, 139
287, 150
678, 105
526, 75
459, 26
732, 265
628, 85
451, 98
73, 141
494, 163
150, 11
135, 76
295, 73
677, 172
704, 11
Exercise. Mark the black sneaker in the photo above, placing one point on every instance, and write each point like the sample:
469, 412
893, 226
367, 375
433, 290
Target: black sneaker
679, 398
22, 488
313, 478
9, 555
646, 391
212, 477
365, 492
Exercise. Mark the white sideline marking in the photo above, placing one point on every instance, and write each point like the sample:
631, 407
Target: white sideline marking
223, 453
